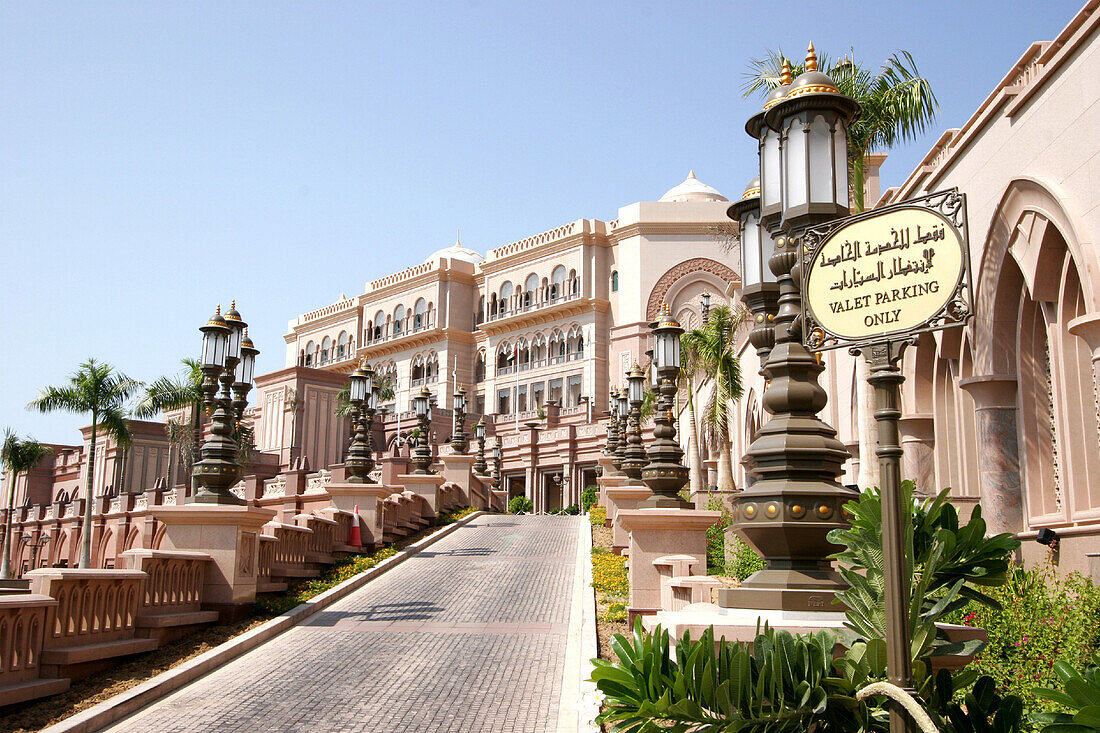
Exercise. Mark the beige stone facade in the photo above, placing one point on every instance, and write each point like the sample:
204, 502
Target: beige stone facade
1006, 411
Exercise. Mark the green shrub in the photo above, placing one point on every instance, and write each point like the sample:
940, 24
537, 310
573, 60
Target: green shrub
716, 537
589, 496
520, 505
1079, 696
1044, 618
742, 560
301, 591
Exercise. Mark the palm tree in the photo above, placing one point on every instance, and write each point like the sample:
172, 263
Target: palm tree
690, 376
177, 393
896, 104
17, 456
712, 351
97, 389
383, 384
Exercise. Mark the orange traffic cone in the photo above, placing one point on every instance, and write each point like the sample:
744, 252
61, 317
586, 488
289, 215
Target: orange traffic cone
356, 539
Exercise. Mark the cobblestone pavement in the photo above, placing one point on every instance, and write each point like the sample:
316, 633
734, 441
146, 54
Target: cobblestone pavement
467, 635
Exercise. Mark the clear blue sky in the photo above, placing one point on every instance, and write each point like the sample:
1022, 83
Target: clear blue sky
158, 158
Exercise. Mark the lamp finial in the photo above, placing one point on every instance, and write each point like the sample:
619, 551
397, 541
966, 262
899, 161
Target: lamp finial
785, 74
811, 58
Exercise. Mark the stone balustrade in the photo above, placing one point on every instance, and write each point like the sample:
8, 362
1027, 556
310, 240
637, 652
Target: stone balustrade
23, 620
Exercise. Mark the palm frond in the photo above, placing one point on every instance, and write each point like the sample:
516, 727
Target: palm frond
114, 423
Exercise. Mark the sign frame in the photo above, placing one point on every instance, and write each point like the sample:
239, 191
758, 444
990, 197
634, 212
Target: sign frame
958, 308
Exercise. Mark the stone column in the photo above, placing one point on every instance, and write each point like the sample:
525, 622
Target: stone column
459, 468
918, 441
619, 498
230, 535
368, 497
655, 533
998, 450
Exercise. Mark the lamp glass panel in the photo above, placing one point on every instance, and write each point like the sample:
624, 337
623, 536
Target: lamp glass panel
236, 334
479, 431
369, 381
767, 249
668, 346
372, 400
208, 347
840, 153
794, 165
751, 266
637, 389
460, 401
238, 372
249, 362
821, 161
420, 405
770, 192
358, 389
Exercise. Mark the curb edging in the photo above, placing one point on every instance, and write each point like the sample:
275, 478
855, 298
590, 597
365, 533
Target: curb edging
126, 703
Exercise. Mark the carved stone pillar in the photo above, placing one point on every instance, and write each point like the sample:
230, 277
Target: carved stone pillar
998, 450
918, 441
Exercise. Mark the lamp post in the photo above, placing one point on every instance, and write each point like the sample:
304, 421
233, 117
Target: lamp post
422, 453
634, 458
479, 433
359, 462
228, 361
759, 288
706, 306
786, 514
498, 457
459, 442
665, 473
35, 545
612, 424
622, 409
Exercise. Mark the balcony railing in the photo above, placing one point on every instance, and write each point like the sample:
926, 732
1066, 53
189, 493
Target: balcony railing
503, 312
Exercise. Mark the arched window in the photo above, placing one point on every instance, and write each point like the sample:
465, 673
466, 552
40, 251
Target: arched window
420, 314
506, 291
326, 350
493, 305
530, 289
342, 345
398, 320
417, 372
431, 368
557, 347
479, 367
557, 282
538, 350
523, 359
614, 281
574, 283
309, 353
481, 309
504, 356
379, 324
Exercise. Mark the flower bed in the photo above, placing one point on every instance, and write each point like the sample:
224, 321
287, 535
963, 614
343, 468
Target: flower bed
301, 591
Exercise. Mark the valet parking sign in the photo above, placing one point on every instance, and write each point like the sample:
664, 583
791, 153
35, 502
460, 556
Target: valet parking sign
887, 274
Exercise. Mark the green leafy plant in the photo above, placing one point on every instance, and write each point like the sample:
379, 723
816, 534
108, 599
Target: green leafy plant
1080, 696
520, 505
1045, 617
782, 683
453, 516
742, 561
947, 564
589, 496
16, 456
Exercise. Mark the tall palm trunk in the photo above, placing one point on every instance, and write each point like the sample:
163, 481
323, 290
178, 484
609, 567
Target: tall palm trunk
5, 564
86, 531
695, 457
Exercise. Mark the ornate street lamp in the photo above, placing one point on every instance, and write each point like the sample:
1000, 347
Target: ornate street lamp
622, 410
612, 424
35, 546
634, 459
359, 462
459, 442
665, 473
706, 306
228, 361
759, 288
498, 457
479, 432
796, 500
422, 454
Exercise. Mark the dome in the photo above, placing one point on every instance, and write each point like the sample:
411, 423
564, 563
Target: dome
780, 92
456, 252
692, 189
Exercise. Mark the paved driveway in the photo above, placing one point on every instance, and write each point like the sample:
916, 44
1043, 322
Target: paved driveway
468, 635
